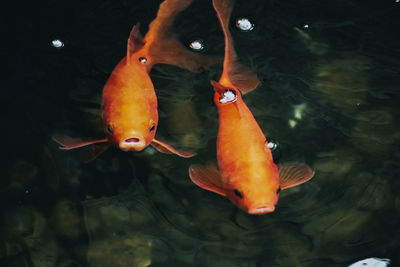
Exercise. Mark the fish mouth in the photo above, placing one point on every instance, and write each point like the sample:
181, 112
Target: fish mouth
261, 210
132, 143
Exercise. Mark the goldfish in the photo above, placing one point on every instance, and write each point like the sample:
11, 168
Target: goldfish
129, 102
245, 172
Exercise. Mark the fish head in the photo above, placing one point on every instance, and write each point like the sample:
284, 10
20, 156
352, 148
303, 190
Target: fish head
257, 194
225, 95
131, 127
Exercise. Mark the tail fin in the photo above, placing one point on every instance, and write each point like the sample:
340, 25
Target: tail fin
163, 49
234, 73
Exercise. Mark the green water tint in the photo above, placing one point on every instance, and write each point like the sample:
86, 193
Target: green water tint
141, 209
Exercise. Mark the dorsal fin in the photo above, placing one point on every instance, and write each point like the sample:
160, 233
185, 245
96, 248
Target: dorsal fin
218, 87
239, 76
135, 41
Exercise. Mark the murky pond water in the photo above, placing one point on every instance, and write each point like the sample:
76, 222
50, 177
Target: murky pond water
329, 96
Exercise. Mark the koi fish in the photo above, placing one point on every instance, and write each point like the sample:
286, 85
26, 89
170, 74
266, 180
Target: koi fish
129, 102
245, 172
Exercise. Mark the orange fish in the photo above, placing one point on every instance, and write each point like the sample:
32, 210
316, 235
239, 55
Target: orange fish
246, 172
129, 102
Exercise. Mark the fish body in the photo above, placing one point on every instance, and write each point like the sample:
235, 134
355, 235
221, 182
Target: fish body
244, 159
245, 172
129, 102
129, 107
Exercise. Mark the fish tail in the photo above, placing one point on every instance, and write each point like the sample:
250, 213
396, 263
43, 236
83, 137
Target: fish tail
234, 73
162, 48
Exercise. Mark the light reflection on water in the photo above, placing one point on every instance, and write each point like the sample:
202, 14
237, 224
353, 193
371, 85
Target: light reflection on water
141, 209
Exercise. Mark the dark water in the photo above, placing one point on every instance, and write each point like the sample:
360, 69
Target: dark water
334, 62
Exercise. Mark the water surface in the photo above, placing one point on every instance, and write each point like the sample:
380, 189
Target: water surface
329, 96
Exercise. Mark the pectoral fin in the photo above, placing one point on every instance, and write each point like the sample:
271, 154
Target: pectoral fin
91, 147
90, 153
207, 177
293, 173
68, 143
167, 149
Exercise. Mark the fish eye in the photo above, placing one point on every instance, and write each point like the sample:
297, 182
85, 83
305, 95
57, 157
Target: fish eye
142, 60
237, 193
279, 190
109, 129
152, 128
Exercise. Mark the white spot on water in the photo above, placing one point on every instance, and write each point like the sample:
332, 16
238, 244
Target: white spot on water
229, 96
306, 26
244, 24
298, 110
150, 151
57, 43
371, 262
197, 45
292, 123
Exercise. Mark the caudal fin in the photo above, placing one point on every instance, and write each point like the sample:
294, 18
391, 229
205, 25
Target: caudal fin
234, 73
162, 48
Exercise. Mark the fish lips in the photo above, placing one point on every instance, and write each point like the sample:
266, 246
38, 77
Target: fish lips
132, 144
261, 210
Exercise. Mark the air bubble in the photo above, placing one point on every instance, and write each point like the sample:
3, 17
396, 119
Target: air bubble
292, 123
197, 45
244, 24
57, 43
142, 60
228, 96
272, 144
